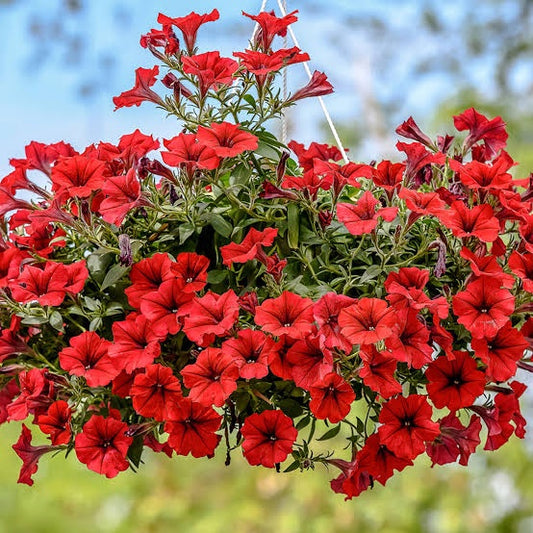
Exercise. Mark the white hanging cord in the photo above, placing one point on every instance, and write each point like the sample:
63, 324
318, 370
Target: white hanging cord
284, 121
320, 99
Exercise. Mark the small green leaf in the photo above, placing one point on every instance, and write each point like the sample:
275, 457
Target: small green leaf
248, 98
56, 321
303, 422
293, 466
293, 222
220, 225
135, 450
333, 432
95, 324
216, 276
185, 231
34, 320
113, 275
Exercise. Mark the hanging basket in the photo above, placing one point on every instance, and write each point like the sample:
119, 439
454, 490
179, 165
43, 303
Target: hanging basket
222, 292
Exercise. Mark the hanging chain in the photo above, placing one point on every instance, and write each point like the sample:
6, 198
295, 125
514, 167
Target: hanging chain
285, 93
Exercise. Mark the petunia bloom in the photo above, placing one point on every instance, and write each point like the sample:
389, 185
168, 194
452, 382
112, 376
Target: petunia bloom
268, 438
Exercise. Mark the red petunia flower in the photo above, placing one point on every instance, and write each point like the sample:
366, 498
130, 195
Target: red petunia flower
277, 357
77, 275
141, 92
78, 176
331, 398
226, 139
248, 352
29, 454
378, 371
483, 308
211, 70
212, 315
270, 26
56, 422
189, 25
123, 194
480, 128
88, 356
367, 321
33, 388
478, 221
147, 276
288, 314
189, 154
422, 203
156, 393
483, 177
192, 429
250, 248
309, 361
326, 312
103, 445
410, 343
454, 384
212, 378
46, 286
455, 441
161, 307
522, 266
268, 438
407, 425
135, 343
501, 352
308, 156
487, 266
318, 86
388, 176
191, 268
362, 217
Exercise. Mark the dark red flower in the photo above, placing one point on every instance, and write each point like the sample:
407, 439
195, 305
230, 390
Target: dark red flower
367, 321
30, 455
307, 156
147, 276
268, 438
156, 393
410, 342
478, 221
288, 314
212, 378
56, 422
331, 398
161, 307
212, 315
410, 130
103, 445
406, 425
189, 154
480, 128
250, 248
123, 194
248, 352
135, 344
309, 361
226, 139
87, 356
277, 357
33, 387
501, 352
78, 176
270, 26
378, 371
455, 440
362, 217
326, 312
141, 92
522, 266
192, 429
454, 384
211, 70
388, 176
189, 25
483, 308
318, 86
191, 268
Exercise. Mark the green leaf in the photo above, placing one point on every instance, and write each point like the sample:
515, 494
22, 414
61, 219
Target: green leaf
216, 276
95, 324
303, 422
370, 273
333, 432
185, 230
268, 151
220, 225
91, 303
248, 98
56, 321
34, 320
113, 275
293, 466
135, 450
99, 261
293, 222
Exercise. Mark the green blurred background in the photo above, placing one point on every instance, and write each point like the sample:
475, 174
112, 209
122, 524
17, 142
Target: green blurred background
61, 63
